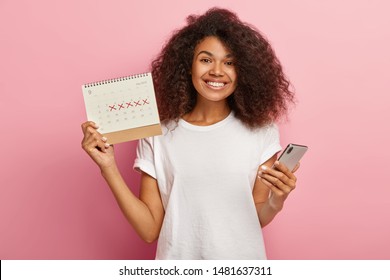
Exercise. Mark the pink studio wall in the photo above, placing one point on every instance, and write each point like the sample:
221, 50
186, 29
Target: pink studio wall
54, 204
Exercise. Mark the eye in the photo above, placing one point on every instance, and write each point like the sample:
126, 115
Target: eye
229, 63
205, 60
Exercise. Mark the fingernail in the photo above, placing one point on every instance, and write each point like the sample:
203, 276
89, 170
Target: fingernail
106, 145
104, 139
264, 167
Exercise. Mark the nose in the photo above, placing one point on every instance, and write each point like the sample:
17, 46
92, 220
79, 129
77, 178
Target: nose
217, 69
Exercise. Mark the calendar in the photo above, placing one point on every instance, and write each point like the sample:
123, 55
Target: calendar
124, 108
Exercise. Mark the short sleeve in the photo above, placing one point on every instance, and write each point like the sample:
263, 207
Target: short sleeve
145, 157
271, 143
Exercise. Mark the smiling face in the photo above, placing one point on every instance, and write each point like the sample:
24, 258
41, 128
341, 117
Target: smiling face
213, 72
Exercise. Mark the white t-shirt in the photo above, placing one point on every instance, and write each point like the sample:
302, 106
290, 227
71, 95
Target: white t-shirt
206, 175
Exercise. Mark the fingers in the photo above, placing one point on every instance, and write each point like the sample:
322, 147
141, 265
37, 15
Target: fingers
93, 141
278, 178
272, 187
85, 125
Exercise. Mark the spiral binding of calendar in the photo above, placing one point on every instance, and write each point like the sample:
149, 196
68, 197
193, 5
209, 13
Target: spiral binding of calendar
109, 81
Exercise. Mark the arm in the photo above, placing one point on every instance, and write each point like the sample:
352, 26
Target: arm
145, 213
279, 181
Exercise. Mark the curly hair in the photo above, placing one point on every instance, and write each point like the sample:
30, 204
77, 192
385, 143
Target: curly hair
262, 94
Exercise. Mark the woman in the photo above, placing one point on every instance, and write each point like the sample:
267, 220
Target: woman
207, 186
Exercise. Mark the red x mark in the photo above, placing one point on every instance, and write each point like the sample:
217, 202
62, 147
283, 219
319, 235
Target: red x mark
145, 101
129, 104
121, 106
112, 107
137, 103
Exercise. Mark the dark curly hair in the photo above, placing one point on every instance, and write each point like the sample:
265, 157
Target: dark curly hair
262, 94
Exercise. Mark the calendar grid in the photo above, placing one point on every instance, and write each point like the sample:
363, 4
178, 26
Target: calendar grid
121, 104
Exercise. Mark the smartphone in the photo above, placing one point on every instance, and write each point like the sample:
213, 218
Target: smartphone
292, 154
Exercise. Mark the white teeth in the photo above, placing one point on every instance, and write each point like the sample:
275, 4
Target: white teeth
215, 84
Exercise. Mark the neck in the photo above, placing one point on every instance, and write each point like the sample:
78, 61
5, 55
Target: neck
207, 113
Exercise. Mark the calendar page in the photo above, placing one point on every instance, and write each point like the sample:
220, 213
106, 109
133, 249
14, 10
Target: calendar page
124, 108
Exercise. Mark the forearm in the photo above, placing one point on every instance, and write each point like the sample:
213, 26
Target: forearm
266, 212
135, 210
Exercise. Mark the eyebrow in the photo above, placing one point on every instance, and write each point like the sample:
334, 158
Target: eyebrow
210, 54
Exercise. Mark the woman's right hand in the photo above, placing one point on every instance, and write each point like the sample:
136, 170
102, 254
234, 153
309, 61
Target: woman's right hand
96, 146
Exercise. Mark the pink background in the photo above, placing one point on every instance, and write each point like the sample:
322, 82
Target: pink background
55, 205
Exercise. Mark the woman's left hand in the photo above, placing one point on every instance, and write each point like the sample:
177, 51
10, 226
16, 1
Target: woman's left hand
281, 182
